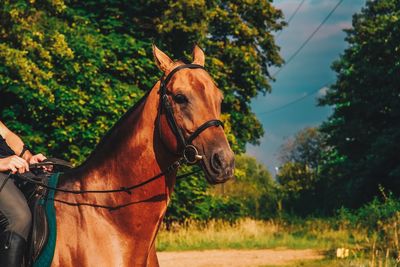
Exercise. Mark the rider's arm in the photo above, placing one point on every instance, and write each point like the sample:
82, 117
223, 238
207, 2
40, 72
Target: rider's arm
22, 157
12, 163
14, 142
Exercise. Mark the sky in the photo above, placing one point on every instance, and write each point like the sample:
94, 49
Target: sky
308, 72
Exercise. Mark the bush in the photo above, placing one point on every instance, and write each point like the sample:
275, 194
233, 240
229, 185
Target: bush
381, 220
192, 200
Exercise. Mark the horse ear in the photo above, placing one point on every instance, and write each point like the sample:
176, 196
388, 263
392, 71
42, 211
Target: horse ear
198, 56
162, 60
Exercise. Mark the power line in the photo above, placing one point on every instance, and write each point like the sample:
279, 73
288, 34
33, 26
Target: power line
292, 16
292, 102
295, 54
308, 39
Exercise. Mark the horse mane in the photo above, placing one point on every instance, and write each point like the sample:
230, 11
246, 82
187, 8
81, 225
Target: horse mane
108, 134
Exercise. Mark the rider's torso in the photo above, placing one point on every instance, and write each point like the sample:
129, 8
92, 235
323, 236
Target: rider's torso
5, 150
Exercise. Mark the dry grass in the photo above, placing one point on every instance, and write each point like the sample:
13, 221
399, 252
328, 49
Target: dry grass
248, 233
374, 249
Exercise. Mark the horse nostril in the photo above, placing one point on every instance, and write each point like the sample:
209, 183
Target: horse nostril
216, 162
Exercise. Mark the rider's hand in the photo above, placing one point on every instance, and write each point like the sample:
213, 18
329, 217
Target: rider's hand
39, 158
14, 164
36, 158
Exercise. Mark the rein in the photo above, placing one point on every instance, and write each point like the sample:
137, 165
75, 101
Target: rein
189, 154
31, 179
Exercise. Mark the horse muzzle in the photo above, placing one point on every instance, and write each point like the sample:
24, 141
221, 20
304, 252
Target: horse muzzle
219, 166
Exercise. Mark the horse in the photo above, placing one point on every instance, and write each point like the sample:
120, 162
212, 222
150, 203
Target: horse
177, 121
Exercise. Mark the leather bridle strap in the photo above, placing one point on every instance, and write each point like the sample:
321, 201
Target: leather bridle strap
164, 82
190, 152
171, 120
204, 126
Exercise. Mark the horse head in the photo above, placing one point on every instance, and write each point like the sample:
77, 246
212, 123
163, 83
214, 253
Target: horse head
190, 109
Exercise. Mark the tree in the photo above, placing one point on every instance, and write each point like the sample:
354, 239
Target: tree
305, 148
251, 193
236, 36
192, 200
64, 84
252, 186
70, 69
364, 129
299, 176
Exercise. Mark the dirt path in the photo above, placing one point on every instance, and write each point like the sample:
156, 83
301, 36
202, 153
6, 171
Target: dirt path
235, 258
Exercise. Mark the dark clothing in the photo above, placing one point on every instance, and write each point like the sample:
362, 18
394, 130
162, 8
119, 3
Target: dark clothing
15, 208
13, 203
5, 150
12, 248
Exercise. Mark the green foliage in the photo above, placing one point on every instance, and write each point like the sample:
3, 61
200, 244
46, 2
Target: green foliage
381, 220
298, 177
236, 36
188, 200
364, 130
298, 184
63, 83
373, 214
253, 186
226, 209
305, 148
191, 200
70, 69
252, 193
295, 178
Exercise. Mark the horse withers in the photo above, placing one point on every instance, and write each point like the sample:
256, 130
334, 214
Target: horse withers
176, 122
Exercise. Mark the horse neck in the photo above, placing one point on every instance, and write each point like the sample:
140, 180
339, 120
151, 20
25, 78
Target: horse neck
130, 154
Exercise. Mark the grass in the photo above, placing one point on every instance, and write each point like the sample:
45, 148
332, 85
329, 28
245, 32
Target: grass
352, 262
369, 236
365, 248
252, 234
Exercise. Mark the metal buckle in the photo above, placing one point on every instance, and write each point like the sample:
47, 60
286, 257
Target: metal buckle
191, 154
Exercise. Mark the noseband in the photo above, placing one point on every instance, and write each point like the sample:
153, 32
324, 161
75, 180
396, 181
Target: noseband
190, 153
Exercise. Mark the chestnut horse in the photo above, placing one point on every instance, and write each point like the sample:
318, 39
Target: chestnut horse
178, 117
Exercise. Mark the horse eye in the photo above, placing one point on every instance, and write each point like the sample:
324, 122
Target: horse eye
180, 99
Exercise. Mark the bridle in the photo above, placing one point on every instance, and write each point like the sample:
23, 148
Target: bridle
188, 155
189, 152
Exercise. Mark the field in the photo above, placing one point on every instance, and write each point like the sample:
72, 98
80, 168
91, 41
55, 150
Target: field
252, 234
337, 244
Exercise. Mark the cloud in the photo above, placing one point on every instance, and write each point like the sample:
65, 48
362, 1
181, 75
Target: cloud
307, 72
322, 92
310, 16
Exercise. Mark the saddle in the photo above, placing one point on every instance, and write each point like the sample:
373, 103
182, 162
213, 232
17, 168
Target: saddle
36, 195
